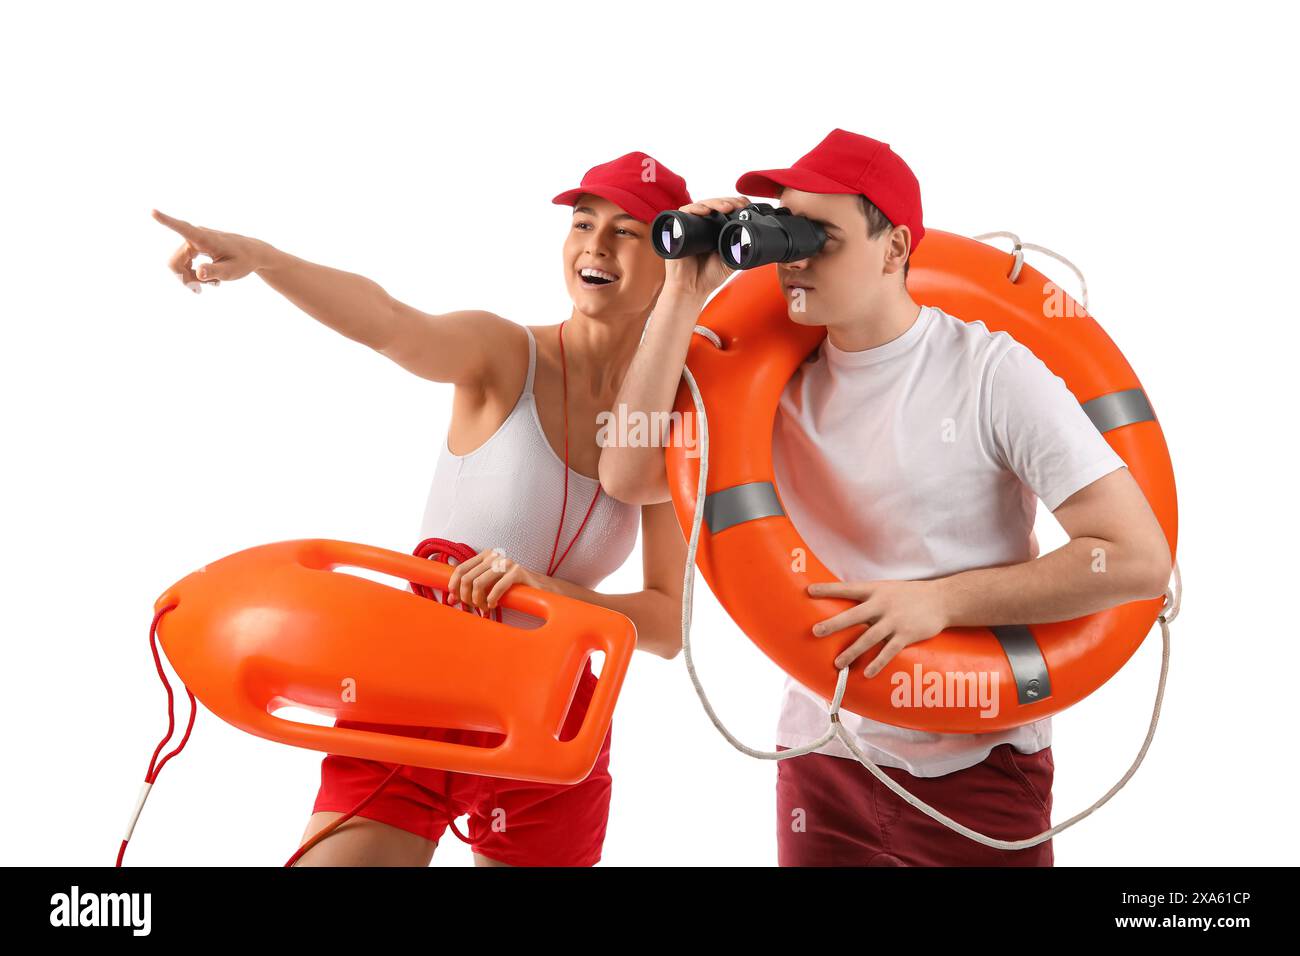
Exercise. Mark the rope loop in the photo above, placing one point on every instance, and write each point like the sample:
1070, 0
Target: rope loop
1019, 260
709, 334
1173, 598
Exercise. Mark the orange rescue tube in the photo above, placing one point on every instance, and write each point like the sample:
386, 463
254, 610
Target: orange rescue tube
747, 543
276, 625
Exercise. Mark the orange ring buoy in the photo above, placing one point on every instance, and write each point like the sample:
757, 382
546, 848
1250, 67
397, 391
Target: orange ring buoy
747, 543
272, 626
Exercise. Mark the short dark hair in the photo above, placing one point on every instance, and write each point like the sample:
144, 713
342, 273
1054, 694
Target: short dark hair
877, 223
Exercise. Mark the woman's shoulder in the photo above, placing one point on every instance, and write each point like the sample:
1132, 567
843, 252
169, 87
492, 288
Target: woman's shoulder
509, 358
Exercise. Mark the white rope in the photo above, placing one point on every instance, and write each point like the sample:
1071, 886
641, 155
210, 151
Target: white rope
1020, 260
688, 591
135, 816
1173, 601
708, 334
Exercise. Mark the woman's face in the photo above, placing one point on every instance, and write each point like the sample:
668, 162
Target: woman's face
610, 266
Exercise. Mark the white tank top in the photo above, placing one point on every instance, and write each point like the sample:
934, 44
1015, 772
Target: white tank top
506, 494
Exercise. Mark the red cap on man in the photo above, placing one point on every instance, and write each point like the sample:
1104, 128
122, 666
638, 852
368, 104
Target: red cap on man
847, 162
639, 184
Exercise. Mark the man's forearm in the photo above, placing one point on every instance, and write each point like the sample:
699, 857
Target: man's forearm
1082, 577
635, 473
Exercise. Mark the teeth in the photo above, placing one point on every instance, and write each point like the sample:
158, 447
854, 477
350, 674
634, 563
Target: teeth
589, 273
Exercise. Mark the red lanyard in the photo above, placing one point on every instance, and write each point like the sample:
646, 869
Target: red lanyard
554, 565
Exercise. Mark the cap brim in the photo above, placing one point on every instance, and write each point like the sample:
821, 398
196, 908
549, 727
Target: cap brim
768, 182
625, 200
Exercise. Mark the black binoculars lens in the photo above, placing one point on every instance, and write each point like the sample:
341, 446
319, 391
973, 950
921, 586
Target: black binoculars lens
670, 236
741, 244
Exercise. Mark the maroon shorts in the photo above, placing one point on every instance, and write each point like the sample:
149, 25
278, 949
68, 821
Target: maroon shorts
831, 811
510, 821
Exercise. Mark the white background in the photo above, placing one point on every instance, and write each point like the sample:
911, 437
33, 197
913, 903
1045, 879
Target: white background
150, 430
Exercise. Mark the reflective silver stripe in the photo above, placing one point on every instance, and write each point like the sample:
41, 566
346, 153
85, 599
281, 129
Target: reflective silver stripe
1119, 408
1026, 659
741, 503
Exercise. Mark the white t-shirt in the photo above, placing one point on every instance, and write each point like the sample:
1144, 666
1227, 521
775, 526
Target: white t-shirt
918, 459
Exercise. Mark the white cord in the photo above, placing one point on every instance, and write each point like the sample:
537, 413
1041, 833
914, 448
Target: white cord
1173, 601
139, 805
1020, 260
688, 590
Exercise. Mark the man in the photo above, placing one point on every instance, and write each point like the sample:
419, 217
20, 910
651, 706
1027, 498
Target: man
908, 451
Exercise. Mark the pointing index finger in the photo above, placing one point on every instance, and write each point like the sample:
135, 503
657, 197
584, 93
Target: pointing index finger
188, 230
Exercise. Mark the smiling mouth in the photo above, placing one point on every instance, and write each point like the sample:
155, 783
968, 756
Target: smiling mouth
596, 278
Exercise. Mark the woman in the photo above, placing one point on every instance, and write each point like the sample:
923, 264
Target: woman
527, 401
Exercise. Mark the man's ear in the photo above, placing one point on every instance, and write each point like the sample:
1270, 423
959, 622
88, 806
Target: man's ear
900, 246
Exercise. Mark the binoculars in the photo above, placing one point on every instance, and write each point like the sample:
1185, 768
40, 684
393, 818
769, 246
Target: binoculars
746, 239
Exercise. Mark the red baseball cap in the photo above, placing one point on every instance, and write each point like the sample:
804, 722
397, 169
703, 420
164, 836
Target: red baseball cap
847, 162
641, 185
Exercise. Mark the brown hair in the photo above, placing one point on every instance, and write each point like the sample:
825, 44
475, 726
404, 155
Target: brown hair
877, 223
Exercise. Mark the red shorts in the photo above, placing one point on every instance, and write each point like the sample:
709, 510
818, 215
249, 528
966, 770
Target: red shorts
510, 821
831, 811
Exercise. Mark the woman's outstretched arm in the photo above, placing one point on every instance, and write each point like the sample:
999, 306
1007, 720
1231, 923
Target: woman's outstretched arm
456, 347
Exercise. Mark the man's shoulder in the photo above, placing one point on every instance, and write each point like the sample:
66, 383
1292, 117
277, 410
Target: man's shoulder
974, 343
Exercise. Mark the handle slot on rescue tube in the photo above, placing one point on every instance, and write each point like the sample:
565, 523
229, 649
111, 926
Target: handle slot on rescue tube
451, 603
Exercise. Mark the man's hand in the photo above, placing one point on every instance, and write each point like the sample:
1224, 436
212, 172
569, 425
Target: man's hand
899, 613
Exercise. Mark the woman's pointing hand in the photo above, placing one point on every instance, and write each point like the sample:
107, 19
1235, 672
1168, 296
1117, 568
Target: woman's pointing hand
233, 256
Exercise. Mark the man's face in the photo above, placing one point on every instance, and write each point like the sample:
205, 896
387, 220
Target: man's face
848, 277
610, 266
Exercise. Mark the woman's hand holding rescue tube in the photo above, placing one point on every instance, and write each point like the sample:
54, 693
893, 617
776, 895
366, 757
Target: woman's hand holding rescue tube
636, 473
482, 580
452, 347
